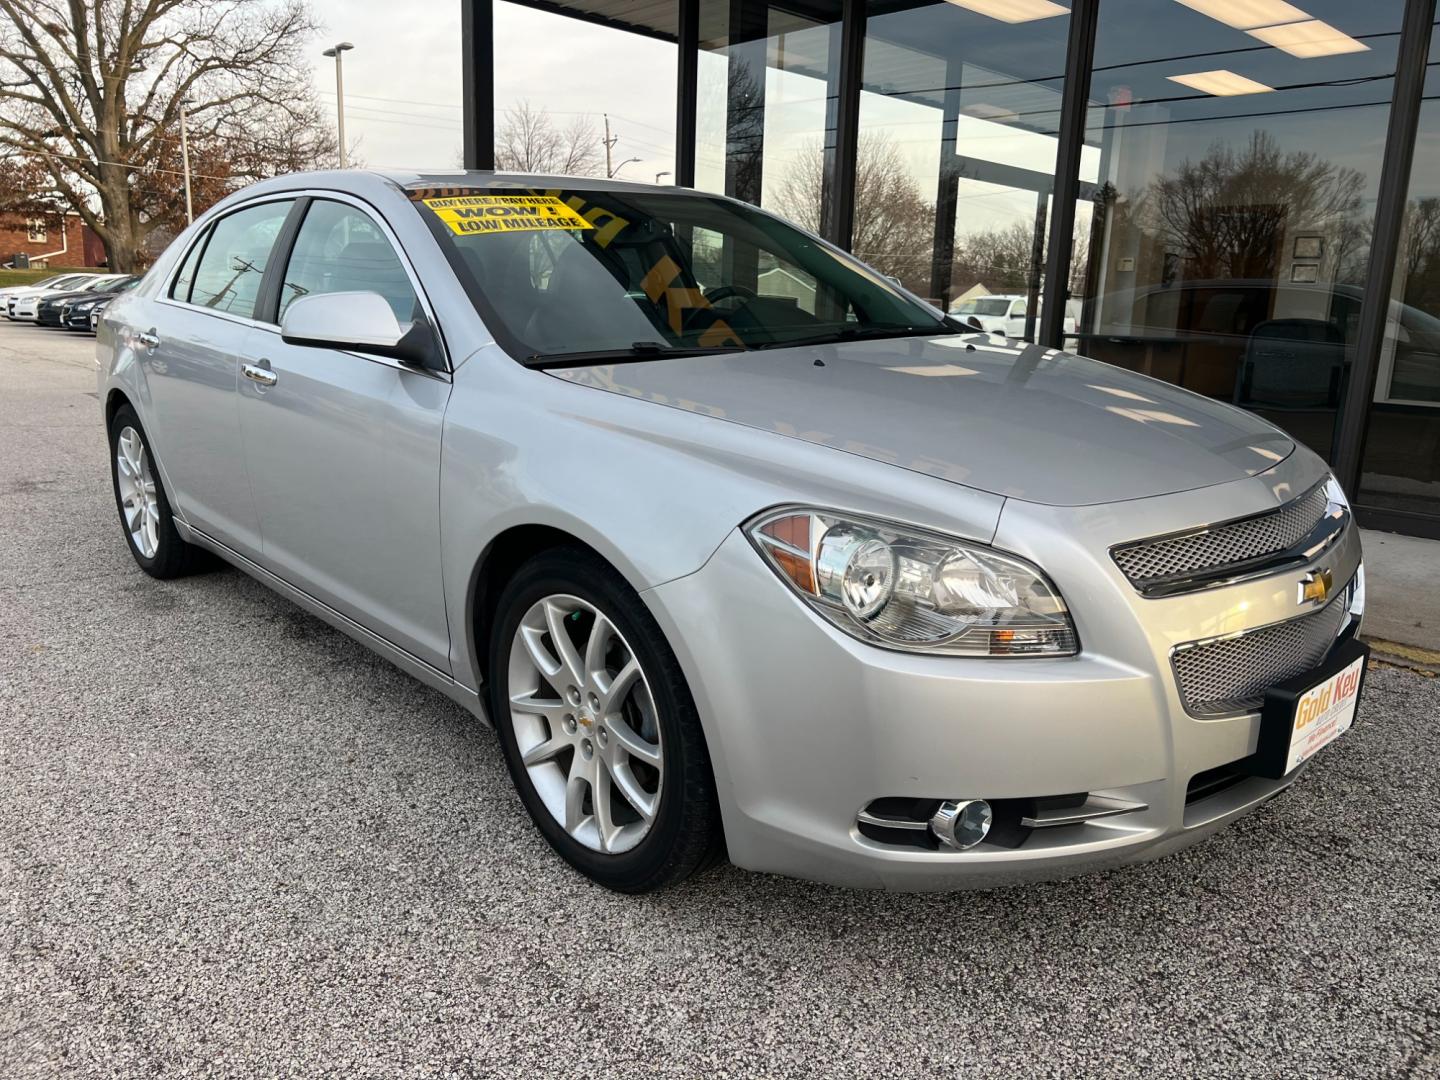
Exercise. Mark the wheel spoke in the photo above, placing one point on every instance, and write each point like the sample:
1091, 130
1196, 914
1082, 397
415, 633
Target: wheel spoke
546, 664
613, 690
634, 744
601, 634
544, 751
564, 647
554, 711
575, 788
604, 819
642, 800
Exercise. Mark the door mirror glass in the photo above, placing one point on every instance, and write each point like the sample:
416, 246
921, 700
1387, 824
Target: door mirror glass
356, 321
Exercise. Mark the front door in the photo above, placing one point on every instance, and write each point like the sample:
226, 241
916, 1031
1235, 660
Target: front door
343, 449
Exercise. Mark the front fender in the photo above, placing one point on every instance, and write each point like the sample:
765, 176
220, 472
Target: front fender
654, 489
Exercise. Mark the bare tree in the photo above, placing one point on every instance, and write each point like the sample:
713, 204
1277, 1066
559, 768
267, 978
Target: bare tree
1227, 215
894, 223
530, 142
94, 89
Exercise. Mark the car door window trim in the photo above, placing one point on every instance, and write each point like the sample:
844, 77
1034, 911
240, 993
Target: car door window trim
308, 196
345, 198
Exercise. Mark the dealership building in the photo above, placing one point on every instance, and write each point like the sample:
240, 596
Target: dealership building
1241, 197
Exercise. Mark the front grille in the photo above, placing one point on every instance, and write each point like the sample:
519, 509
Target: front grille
1230, 675
1209, 552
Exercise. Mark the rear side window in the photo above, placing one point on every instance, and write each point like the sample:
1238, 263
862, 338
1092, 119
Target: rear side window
341, 249
229, 272
180, 288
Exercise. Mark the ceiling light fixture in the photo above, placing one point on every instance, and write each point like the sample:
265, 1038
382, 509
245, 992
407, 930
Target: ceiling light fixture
1247, 14
1307, 39
1014, 11
1221, 83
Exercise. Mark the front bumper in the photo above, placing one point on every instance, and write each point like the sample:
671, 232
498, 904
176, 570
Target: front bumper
806, 726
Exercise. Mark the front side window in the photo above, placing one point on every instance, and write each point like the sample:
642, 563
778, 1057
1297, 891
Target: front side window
229, 272
570, 272
340, 249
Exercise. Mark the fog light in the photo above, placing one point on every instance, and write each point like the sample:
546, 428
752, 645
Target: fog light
962, 824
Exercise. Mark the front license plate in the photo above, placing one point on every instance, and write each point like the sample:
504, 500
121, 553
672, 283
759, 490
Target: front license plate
1308, 713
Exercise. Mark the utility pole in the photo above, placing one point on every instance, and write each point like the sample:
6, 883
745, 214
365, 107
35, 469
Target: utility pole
336, 51
610, 140
185, 156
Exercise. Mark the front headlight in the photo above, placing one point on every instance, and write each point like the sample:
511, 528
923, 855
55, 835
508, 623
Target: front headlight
903, 588
1335, 494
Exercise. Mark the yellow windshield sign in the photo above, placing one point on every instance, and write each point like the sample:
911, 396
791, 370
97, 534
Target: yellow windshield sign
468, 215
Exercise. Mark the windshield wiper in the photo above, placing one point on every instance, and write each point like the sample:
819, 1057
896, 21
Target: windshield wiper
860, 333
639, 351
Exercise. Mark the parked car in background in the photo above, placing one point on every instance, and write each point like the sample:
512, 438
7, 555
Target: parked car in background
12, 294
24, 306
81, 312
813, 580
56, 280
1003, 314
50, 310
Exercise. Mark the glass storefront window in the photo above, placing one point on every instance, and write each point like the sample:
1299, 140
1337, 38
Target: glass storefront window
767, 85
959, 113
1401, 468
1238, 166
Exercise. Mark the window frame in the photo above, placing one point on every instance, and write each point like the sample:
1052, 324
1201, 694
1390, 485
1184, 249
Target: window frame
201, 246
285, 243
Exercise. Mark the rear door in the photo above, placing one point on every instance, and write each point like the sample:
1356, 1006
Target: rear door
198, 330
343, 448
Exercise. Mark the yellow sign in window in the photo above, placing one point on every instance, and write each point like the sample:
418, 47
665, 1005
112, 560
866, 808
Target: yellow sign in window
468, 215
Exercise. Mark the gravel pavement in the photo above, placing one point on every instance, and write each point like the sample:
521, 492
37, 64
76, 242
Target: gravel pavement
235, 843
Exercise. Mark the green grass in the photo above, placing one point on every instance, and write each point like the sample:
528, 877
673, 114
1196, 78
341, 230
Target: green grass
29, 277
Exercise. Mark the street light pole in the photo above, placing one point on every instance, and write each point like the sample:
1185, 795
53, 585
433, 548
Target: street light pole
185, 156
658, 175
336, 51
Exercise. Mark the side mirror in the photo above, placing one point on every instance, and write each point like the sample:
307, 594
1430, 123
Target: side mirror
360, 322
974, 323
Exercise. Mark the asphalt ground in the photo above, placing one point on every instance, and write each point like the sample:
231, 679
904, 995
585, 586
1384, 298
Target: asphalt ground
234, 843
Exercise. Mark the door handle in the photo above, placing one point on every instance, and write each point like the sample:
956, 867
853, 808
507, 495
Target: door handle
262, 375
149, 339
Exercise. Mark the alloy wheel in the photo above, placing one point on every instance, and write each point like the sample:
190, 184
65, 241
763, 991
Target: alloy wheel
585, 723
139, 500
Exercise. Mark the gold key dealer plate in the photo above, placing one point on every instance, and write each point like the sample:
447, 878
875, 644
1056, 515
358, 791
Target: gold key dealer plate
1309, 712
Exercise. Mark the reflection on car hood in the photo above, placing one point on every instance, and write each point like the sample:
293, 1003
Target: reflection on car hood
1013, 419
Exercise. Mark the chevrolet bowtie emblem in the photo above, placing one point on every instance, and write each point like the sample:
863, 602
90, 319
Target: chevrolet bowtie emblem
1315, 587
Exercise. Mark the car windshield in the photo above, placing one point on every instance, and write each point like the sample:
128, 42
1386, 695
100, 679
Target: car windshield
987, 306
571, 275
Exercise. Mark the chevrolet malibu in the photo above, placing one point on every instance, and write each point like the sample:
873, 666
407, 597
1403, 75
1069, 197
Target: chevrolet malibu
741, 548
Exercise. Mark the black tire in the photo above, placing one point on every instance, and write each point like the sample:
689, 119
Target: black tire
685, 835
173, 557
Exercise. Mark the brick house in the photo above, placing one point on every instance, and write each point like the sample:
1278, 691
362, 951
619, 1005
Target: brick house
54, 239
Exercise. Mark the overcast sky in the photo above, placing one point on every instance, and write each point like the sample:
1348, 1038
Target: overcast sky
403, 99
402, 80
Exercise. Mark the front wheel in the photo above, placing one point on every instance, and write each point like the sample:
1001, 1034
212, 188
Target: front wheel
599, 730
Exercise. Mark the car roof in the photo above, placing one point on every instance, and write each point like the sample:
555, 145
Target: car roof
368, 181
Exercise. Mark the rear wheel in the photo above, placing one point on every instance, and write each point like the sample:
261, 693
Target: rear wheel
599, 730
143, 505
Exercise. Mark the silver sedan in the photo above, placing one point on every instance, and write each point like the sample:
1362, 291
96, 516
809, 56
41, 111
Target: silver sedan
740, 547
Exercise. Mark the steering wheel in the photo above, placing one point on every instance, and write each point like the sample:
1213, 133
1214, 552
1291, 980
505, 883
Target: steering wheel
727, 292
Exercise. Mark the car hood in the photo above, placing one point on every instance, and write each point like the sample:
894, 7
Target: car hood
1013, 419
